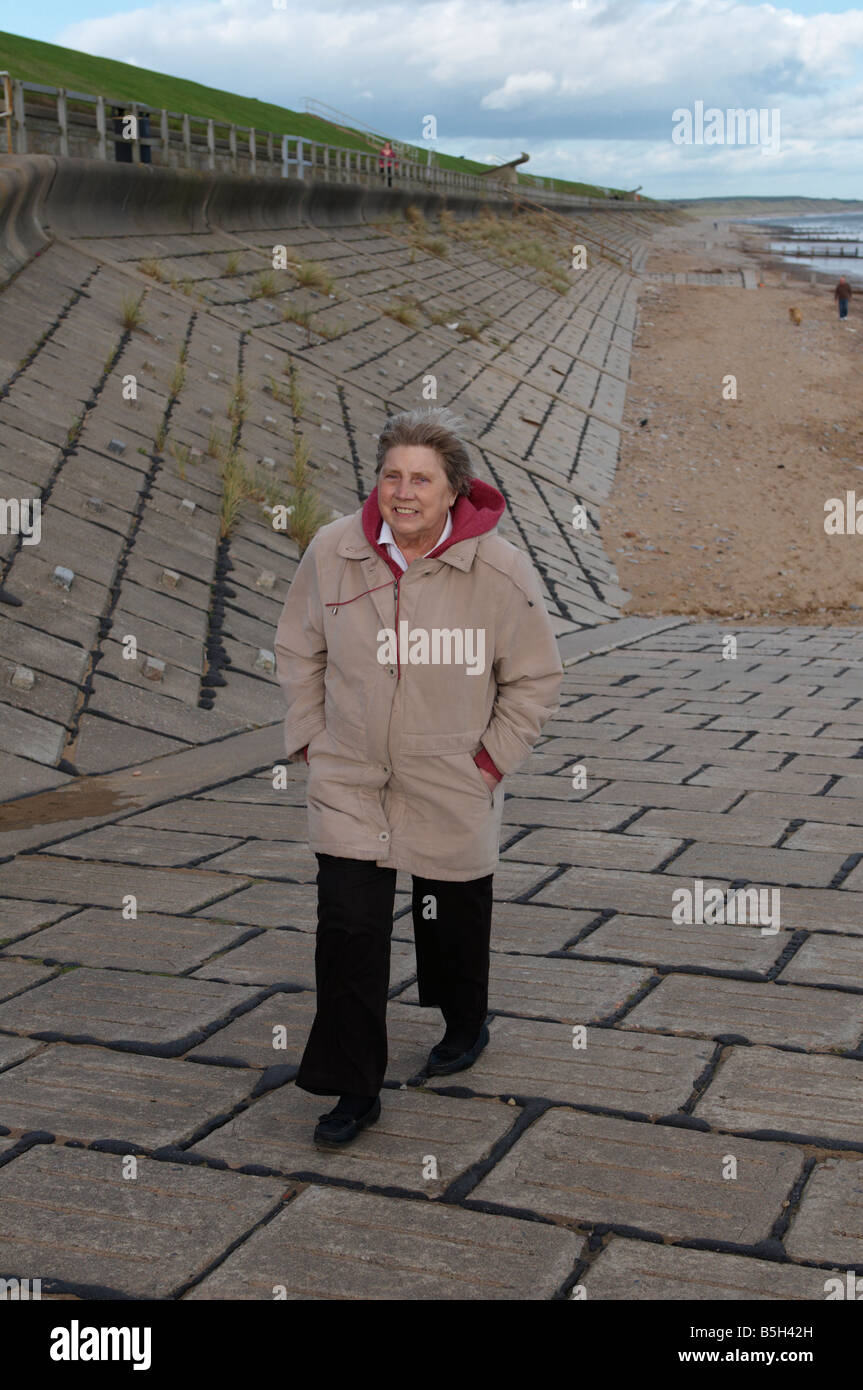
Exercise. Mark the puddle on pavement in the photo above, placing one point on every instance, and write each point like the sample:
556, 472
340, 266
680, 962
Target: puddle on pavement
78, 801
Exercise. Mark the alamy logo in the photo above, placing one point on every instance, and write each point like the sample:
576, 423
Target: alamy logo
852, 1288
438, 646
714, 907
21, 516
736, 126
20, 1289
77, 1343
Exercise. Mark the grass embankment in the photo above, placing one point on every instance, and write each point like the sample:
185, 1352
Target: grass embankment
35, 61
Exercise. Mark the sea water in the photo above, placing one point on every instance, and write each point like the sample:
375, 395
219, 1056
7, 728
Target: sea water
826, 242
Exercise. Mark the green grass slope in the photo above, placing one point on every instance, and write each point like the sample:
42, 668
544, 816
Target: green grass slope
34, 61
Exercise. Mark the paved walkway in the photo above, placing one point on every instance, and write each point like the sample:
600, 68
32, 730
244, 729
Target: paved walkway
699, 1084
665, 1111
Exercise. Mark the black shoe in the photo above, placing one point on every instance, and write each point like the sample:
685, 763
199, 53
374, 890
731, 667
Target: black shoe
447, 1058
339, 1126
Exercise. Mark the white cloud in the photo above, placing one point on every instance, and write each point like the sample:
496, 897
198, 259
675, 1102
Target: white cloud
518, 88
608, 75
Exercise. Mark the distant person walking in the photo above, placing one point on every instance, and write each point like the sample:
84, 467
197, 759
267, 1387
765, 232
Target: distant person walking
386, 162
842, 294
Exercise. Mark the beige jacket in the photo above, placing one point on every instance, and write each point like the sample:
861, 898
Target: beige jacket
397, 680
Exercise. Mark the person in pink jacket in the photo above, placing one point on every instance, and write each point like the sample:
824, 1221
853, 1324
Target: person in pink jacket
419, 666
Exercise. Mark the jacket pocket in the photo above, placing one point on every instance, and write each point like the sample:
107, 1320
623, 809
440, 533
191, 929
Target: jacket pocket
478, 778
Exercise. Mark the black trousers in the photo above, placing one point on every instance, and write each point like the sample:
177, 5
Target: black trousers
347, 1046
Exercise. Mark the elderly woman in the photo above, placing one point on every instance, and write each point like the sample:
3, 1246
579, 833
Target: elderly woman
419, 666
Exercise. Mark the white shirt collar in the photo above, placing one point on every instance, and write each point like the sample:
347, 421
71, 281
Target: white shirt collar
386, 537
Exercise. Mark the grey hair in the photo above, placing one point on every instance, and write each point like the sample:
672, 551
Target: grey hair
435, 428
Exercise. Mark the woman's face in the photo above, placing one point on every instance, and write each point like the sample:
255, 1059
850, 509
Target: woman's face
414, 494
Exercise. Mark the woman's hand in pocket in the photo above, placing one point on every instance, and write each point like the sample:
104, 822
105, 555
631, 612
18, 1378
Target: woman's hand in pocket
490, 781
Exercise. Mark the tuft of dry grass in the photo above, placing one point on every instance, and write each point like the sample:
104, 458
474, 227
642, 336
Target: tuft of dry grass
236, 487
313, 276
264, 285
183, 457
238, 404
178, 377
307, 517
402, 313
215, 444
131, 312
433, 246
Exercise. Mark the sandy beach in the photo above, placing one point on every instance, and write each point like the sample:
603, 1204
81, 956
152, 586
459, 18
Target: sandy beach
730, 494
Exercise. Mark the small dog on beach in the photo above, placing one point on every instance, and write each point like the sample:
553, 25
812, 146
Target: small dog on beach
795, 316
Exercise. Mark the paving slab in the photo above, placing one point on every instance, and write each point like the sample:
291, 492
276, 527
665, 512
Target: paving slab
769, 1013
585, 815
529, 1059
283, 957
761, 1089
158, 1014
227, 818
571, 991
594, 848
731, 828
71, 1215
18, 917
525, 929
651, 895
28, 736
414, 1126
131, 844
572, 1166
22, 777
829, 1222
269, 905
104, 746
153, 942
329, 1243
714, 947
89, 1093
16, 976
634, 1269
259, 790
13, 1050
283, 859
827, 959
756, 864
103, 885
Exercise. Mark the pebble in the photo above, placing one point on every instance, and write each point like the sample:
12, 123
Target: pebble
62, 577
23, 678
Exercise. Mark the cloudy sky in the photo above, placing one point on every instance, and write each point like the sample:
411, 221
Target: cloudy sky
588, 87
